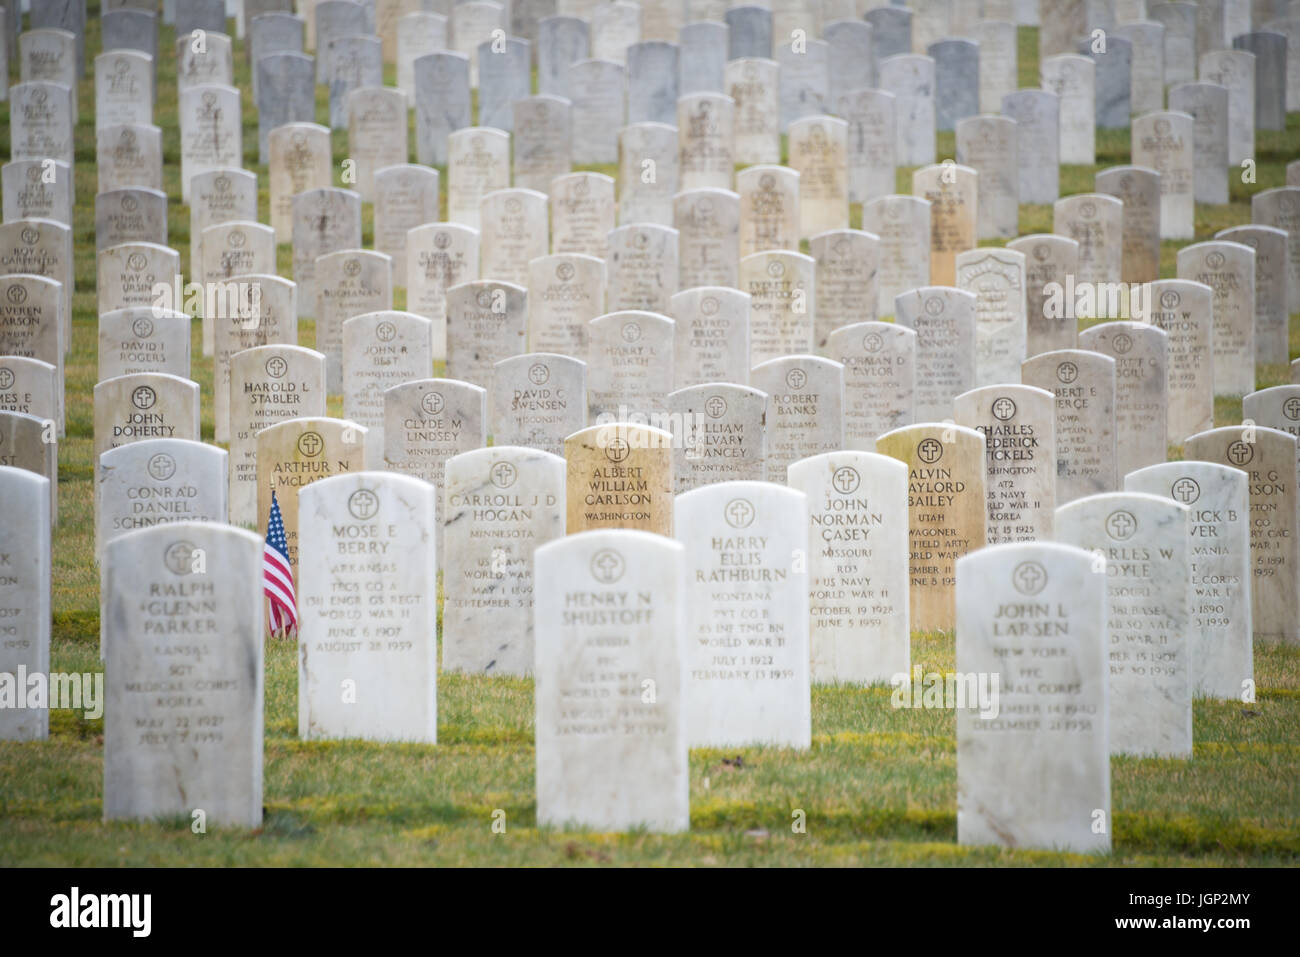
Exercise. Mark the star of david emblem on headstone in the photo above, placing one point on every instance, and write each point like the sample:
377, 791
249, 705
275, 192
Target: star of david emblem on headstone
1003, 408
607, 566
1239, 452
1121, 525
1029, 578
739, 513
503, 475
1185, 490
715, 406
432, 402
363, 504
845, 479
538, 373
1291, 408
310, 444
796, 378
161, 467
1067, 372
929, 451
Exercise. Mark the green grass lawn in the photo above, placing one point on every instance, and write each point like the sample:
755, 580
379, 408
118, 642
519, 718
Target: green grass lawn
878, 786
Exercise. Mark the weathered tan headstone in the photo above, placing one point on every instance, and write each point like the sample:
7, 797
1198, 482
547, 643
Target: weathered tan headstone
299, 161
1268, 456
295, 452
946, 512
952, 193
618, 476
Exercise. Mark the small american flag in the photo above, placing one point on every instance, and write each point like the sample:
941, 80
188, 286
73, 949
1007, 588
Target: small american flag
277, 575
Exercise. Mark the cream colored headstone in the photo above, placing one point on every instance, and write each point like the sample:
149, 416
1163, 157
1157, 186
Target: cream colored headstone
1268, 457
952, 193
296, 452
946, 512
619, 476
